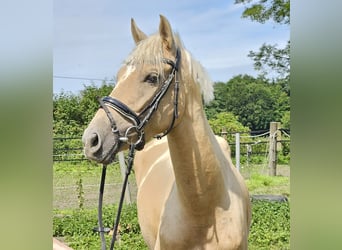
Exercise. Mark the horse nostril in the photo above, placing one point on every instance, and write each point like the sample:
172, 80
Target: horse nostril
93, 143
94, 140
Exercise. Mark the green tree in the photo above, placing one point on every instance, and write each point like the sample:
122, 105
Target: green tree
254, 101
273, 62
217, 105
72, 112
89, 103
270, 58
67, 115
263, 10
227, 121
285, 120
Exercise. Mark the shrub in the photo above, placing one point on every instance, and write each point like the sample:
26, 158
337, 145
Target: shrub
76, 227
270, 227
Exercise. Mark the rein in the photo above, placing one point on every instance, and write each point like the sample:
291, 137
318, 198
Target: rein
102, 229
138, 125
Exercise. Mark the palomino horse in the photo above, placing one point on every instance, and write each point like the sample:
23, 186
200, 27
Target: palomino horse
190, 196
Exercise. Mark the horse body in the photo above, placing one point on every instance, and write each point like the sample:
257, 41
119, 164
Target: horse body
190, 195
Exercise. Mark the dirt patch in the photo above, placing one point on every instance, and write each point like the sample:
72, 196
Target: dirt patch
247, 171
282, 170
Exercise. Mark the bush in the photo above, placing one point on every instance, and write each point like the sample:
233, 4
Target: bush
270, 227
227, 120
76, 226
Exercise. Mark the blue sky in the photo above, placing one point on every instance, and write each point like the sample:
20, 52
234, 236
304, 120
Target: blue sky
92, 38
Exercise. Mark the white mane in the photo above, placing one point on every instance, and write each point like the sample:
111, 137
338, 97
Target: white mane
150, 51
201, 77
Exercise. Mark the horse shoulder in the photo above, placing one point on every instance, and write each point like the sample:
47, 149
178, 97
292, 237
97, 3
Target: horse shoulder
155, 178
146, 158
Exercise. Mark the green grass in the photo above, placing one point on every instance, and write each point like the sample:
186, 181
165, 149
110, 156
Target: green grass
270, 227
72, 179
263, 184
75, 227
259, 182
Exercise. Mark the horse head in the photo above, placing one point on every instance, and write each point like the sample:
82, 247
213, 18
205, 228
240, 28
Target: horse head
147, 100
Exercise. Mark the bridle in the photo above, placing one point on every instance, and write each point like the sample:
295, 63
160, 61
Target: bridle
139, 122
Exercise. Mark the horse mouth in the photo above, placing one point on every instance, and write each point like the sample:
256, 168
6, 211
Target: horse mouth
110, 156
100, 151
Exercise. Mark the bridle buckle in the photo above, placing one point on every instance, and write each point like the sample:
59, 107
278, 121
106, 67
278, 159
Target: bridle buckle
140, 134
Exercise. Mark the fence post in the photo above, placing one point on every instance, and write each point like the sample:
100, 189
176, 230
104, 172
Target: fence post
237, 151
279, 138
272, 160
123, 173
224, 133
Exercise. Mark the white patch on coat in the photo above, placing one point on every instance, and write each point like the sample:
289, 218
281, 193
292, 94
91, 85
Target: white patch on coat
129, 70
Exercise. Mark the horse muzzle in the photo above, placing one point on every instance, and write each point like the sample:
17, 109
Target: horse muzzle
100, 146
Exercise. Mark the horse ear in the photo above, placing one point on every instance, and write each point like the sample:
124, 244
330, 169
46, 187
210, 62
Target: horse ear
165, 32
137, 34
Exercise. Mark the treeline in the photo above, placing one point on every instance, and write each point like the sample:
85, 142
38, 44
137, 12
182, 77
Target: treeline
72, 112
254, 101
244, 103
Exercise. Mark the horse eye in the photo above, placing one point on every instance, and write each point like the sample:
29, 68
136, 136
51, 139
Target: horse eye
152, 78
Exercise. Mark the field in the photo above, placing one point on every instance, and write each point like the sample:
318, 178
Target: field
77, 184
75, 200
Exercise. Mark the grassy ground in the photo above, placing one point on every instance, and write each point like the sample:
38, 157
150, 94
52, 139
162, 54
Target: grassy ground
259, 182
270, 227
68, 175
77, 185
79, 182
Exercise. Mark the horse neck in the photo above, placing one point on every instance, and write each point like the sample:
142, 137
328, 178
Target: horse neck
197, 160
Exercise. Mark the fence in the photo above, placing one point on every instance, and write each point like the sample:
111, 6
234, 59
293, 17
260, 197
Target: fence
265, 143
68, 149
76, 180
77, 187
251, 144
269, 144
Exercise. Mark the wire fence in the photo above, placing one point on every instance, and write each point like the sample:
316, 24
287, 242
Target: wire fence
76, 184
76, 180
68, 149
252, 144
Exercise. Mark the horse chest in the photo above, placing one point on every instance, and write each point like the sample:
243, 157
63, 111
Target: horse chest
179, 231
